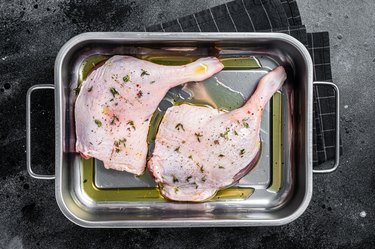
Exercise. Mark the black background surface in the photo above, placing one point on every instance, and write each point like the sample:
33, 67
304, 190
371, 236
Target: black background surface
31, 34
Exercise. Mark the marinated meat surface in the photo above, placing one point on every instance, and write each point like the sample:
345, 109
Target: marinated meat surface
116, 102
199, 150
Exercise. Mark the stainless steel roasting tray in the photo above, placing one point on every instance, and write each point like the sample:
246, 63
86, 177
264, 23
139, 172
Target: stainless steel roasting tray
275, 192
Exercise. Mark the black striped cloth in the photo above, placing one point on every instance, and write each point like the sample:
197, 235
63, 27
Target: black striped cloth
274, 16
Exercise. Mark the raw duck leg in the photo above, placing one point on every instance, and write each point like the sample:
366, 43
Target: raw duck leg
116, 102
199, 150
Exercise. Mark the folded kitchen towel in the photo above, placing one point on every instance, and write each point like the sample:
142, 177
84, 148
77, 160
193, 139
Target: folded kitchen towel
324, 97
273, 16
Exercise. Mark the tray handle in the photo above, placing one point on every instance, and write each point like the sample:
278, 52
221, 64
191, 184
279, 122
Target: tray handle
28, 131
337, 154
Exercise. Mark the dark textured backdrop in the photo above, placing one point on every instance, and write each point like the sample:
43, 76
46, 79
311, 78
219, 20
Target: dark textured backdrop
342, 211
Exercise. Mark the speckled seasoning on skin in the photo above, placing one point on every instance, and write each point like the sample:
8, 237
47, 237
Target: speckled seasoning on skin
121, 99
213, 140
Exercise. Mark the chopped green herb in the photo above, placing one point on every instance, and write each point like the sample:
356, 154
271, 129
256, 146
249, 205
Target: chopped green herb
139, 94
131, 123
190, 157
179, 126
117, 144
203, 179
114, 91
242, 152
235, 132
221, 167
245, 124
90, 89
221, 155
98, 122
198, 135
174, 179
144, 72
126, 78
177, 149
152, 82
225, 134
188, 178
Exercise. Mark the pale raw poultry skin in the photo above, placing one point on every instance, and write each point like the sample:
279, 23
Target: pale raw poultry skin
116, 102
199, 150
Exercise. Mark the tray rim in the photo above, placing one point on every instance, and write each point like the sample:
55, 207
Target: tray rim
194, 36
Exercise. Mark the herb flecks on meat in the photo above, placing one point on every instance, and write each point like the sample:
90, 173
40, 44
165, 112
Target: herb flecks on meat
126, 78
179, 126
114, 91
131, 123
144, 72
98, 122
139, 94
198, 136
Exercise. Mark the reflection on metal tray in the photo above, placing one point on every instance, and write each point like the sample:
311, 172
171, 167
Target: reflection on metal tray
276, 192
